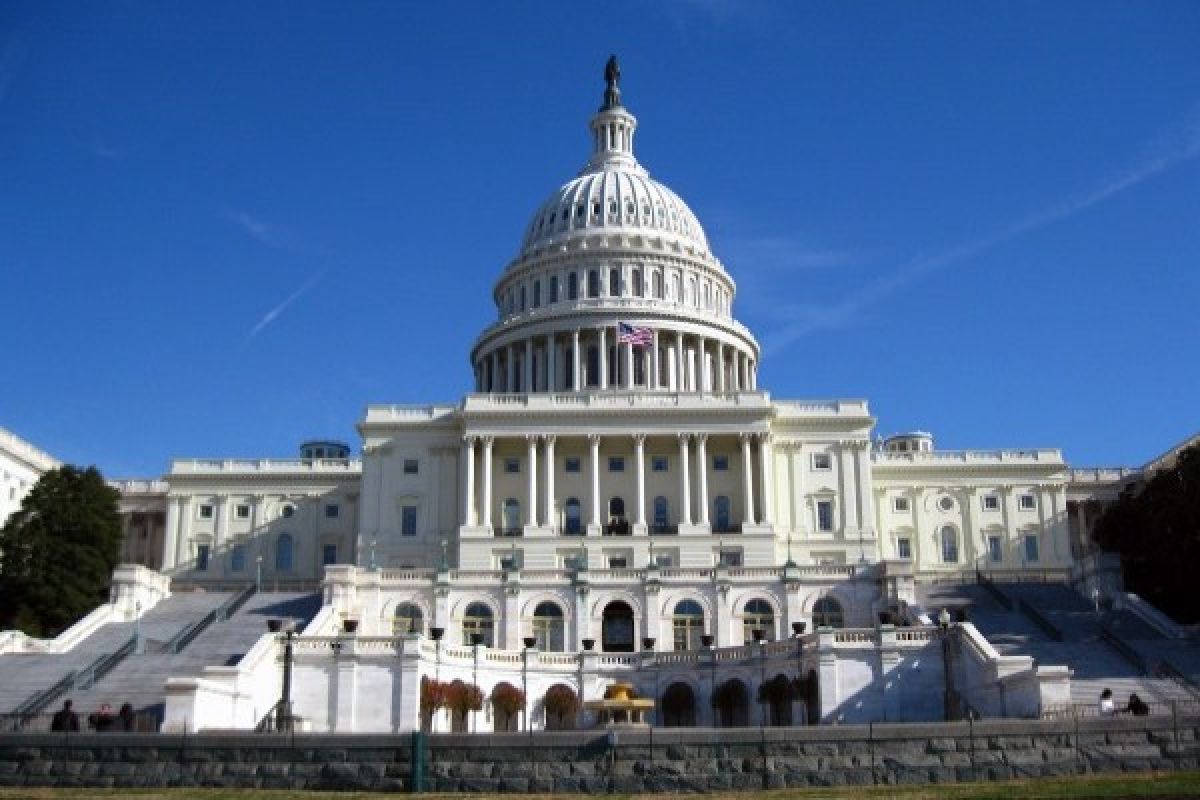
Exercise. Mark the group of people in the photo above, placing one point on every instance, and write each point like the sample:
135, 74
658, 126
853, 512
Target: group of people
101, 721
1136, 705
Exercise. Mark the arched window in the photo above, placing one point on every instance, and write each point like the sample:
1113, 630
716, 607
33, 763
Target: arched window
617, 628
553, 289
407, 619
759, 616
572, 286
618, 525
949, 545
656, 285
478, 620
548, 627
593, 280
283, 553
537, 294
678, 706
512, 516
661, 514
827, 613
573, 524
522, 298
614, 282
721, 514
687, 624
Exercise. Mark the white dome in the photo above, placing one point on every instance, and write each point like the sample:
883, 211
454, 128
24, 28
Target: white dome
612, 200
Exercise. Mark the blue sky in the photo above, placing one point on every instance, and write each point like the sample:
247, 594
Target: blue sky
226, 227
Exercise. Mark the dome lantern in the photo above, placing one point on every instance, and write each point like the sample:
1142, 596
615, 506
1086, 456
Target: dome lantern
612, 128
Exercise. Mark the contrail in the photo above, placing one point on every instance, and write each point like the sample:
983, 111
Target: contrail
274, 313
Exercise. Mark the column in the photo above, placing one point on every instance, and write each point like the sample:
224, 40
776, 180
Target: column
862, 459
768, 479
747, 481
594, 444
527, 367
720, 367
576, 366
680, 372
850, 521
628, 348
672, 369
532, 516
652, 366
551, 363
639, 447
487, 481
548, 514
685, 489
468, 456
703, 379
510, 371
494, 383
752, 374
702, 473
602, 333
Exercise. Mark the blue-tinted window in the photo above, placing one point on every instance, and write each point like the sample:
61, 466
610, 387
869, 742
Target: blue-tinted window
824, 515
283, 553
571, 464
408, 521
202, 552
237, 559
329, 554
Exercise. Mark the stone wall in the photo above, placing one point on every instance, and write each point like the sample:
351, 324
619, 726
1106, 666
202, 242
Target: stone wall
586, 761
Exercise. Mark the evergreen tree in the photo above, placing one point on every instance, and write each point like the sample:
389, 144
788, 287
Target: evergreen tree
58, 552
1155, 527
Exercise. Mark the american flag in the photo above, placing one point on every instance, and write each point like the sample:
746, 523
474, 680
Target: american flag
636, 336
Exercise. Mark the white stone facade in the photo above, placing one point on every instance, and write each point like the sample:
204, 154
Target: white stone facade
21, 464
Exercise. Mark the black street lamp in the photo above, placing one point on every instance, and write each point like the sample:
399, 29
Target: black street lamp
648, 646
283, 712
530, 642
436, 634
943, 619
760, 639
707, 640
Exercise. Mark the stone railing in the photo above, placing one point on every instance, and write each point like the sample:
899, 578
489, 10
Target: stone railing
821, 408
18, 447
140, 486
1047, 456
615, 399
211, 466
1101, 474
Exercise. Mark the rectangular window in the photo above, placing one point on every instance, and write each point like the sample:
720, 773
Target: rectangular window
822, 461
730, 558
658, 463
206, 512
242, 511
411, 466
900, 504
508, 562
617, 562
1031, 547
237, 559
1028, 502
991, 502
720, 463
512, 465
408, 521
202, 552
572, 562
331, 510
904, 548
664, 561
329, 554
825, 515
616, 464
571, 464
994, 551
553, 288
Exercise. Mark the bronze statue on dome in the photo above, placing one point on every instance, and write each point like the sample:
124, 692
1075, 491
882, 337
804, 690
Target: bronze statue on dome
612, 76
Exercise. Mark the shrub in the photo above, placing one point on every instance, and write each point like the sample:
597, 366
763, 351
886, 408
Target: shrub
562, 703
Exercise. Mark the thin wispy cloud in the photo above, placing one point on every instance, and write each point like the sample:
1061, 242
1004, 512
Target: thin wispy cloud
781, 253
1163, 154
264, 233
275, 312
105, 151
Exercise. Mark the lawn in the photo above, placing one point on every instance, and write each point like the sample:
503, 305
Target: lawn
1142, 784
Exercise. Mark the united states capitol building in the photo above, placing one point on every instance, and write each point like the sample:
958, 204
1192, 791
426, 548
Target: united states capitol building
616, 499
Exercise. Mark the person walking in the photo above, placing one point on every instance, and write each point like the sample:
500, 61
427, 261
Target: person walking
1107, 706
65, 719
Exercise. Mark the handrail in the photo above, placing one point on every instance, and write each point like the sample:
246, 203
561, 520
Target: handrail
1173, 673
95, 671
991, 588
275, 722
1047, 627
179, 641
37, 701
1124, 649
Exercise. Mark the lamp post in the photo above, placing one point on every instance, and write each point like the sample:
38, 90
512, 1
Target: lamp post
476, 643
648, 646
436, 634
372, 565
530, 642
943, 619
707, 640
258, 574
137, 627
1096, 600
283, 713
760, 639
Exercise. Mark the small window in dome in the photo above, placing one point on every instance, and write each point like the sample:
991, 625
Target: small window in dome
660, 211
553, 289
612, 206
537, 294
572, 286
645, 210
629, 207
596, 209
552, 214
579, 210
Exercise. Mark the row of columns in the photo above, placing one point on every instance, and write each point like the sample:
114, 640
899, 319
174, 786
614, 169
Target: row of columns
707, 365
472, 443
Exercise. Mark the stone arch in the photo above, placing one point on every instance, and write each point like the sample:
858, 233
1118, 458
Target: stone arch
618, 627
731, 701
678, 705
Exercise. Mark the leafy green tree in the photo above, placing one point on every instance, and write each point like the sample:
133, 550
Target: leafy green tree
58, 552
1155, 526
